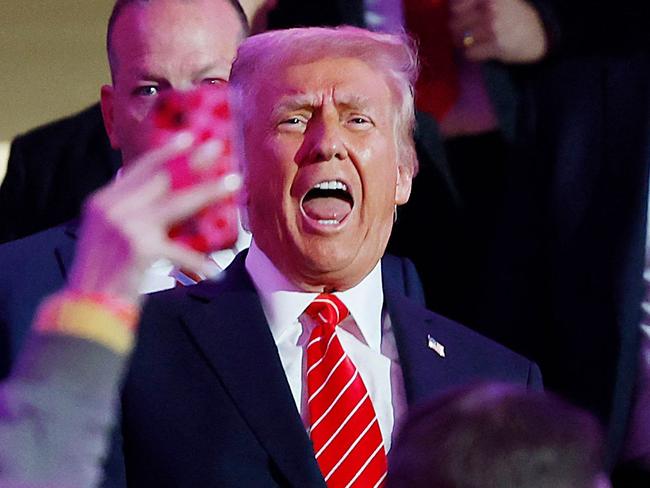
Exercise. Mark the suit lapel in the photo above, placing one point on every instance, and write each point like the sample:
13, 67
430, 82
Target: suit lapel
424, 370
65, 250
240, 349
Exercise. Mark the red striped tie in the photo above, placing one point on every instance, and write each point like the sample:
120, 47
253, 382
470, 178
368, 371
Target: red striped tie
344, 428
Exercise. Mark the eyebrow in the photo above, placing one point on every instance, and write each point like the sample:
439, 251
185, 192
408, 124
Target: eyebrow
198, 73
353, 101
290, 103
216, 65
145, 75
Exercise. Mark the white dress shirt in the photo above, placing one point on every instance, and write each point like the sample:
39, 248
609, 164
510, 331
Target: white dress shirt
366, 336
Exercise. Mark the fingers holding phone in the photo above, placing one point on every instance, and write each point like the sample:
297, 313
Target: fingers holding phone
177, 201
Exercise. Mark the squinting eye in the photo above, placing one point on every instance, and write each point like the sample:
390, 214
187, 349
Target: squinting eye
297, 123
359, 120
213, 81
146, 91
359, 123
292, 121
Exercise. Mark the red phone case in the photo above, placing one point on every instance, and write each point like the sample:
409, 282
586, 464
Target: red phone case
205, 113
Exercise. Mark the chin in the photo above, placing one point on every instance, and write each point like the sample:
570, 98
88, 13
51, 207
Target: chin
329, 253
337, 268
317, 264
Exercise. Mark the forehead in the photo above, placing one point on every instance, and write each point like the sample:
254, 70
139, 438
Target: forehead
342, 80
197, 31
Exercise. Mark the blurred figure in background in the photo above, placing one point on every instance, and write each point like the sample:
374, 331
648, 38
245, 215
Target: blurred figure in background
567, 266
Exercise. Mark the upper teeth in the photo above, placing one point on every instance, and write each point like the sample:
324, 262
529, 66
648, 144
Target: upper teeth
331, 185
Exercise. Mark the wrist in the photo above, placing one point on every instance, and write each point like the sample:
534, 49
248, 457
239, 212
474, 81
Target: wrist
106, 319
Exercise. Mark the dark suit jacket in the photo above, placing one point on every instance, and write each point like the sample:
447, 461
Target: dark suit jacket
33, 267
51, 170
207, 403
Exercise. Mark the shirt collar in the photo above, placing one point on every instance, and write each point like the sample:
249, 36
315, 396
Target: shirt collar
283, 302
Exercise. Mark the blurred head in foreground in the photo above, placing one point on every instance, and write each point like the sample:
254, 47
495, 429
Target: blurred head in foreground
498, 436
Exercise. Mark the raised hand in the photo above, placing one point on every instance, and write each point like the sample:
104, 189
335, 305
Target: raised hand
510, 31
125, 224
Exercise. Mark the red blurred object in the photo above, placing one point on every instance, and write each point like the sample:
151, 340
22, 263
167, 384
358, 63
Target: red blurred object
437, 87
204, 112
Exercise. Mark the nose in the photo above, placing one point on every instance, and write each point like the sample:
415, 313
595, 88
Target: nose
325, 139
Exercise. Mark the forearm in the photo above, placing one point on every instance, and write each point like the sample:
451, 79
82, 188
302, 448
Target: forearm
59, 404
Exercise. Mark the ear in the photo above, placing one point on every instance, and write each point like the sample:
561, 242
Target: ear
107, 94
403, 184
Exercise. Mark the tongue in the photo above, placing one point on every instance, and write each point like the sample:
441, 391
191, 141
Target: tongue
327, 208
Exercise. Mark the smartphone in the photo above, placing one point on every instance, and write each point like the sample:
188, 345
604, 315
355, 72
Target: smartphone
205, 112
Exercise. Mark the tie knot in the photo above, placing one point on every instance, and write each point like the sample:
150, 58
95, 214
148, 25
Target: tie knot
327, 309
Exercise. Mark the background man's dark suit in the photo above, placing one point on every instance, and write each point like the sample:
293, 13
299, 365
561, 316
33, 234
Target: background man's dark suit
207, 403
33, 268
50, 172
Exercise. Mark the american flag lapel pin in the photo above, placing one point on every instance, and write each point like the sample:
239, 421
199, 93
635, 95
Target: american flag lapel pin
435, 346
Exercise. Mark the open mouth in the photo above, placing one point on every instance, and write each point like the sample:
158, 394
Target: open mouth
328, 202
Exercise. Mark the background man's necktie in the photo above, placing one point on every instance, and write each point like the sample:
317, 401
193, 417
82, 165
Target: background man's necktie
344, 428
437, 88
